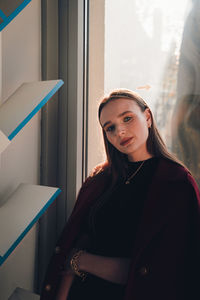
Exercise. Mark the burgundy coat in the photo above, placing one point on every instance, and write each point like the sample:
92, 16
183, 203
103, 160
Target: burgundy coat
165, 261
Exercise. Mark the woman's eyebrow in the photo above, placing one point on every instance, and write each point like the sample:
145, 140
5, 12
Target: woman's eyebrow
120, 115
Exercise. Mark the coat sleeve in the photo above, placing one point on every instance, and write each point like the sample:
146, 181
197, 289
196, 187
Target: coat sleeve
168, 267
68, 237
193, 262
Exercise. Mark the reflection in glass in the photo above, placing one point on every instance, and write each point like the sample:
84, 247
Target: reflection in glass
186, 115
141, 39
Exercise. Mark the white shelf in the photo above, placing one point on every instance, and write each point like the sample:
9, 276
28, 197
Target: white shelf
23, 104
21, 294
6, 19
20, 212
4, 142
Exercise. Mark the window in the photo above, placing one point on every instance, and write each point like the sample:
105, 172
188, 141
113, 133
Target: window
140, 45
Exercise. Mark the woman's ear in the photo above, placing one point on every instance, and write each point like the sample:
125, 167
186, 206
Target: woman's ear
148, 117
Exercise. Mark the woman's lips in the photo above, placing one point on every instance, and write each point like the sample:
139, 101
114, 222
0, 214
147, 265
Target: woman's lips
125, 142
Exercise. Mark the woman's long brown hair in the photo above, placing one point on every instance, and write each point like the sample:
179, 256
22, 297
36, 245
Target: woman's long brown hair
116, 164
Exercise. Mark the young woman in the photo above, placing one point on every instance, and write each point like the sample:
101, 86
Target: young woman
134, 231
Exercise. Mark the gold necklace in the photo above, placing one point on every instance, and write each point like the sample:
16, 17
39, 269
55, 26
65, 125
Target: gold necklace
129, 178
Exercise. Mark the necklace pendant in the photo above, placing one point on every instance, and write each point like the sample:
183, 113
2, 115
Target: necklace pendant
129, 178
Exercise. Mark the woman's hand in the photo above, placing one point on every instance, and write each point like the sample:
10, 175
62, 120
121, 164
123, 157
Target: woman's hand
68, 274
67, 268
64, 288
114, 269
82, 243
67, 278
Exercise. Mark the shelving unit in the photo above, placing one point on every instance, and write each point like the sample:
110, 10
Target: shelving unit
20, 212
22, 209
6, 19
22, 105
21, 294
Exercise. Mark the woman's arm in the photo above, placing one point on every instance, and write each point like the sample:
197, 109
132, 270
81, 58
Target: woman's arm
114, 269
65, 286
68, 274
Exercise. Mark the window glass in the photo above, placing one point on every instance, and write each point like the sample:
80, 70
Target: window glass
152, 47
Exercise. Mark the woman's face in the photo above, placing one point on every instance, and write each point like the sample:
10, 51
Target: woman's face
126, 127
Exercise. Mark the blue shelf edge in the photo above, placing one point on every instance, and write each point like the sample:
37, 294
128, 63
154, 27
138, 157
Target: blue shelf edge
2, 15
36, 109
8, 19
41, 212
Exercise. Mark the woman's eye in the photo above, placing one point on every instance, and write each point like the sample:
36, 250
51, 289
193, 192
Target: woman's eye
110, 128
126, 119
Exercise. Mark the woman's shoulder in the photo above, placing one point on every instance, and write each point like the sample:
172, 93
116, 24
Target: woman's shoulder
99, 174
95, 183
172, 170
178, 180
101, 168
175, 172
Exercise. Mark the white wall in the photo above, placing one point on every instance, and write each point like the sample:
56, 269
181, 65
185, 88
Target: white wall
20, 60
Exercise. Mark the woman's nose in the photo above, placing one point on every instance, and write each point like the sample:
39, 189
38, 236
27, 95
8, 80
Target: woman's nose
121, 131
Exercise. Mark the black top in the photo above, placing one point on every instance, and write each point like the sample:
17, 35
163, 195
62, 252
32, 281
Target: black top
113, 230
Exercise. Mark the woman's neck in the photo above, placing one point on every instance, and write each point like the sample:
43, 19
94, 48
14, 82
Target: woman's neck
139, 158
